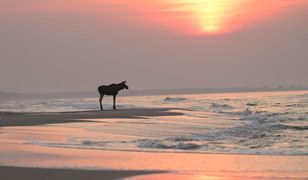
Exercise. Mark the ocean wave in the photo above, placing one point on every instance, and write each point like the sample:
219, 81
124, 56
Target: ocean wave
42, 103
181, 139
300, 118
294, 105
159, 144
93, 143
255, 117
13, 106
174, 99
292, 127
245, 112
267, 117
223, 106
252, 104
261, 116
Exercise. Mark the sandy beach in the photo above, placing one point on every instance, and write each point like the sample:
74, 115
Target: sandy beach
153, 90
20, 159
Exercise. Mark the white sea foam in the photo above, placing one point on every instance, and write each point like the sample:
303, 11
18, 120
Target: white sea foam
158, 144
223, 106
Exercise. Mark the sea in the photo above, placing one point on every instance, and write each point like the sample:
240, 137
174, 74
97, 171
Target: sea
268, 123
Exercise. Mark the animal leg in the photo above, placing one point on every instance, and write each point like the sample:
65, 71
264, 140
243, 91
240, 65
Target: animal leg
114, 102
100, 102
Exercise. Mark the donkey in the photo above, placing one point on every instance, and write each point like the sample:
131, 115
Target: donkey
111, 89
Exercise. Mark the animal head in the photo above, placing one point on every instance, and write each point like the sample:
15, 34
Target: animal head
123, 85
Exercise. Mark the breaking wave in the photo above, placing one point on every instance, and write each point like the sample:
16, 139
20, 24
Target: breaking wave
223, 106
174, 99
158, 144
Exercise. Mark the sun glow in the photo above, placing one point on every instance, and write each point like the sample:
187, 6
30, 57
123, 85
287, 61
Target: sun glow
216, 16
211, 16
189, 16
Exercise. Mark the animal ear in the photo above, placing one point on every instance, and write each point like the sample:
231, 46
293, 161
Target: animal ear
124, 82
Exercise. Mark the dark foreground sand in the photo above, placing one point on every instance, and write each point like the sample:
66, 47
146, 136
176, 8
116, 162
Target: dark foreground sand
24, 173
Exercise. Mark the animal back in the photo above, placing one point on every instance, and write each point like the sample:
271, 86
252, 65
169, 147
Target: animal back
108, 90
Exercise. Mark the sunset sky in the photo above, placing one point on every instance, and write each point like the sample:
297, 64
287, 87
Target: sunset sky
75, 45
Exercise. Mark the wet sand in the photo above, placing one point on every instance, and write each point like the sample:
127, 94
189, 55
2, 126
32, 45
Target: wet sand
146, 165
43, 162
42, 118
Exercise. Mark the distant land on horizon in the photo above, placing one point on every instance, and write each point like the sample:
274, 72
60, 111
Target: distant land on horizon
91, 94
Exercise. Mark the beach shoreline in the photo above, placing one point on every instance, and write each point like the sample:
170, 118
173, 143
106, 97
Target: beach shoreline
23, 160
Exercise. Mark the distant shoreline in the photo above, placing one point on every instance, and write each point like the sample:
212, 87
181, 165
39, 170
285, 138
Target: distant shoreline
150, 92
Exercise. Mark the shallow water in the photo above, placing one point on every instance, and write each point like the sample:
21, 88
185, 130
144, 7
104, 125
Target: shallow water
241, 123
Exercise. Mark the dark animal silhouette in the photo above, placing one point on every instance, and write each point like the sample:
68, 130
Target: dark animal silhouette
111, 89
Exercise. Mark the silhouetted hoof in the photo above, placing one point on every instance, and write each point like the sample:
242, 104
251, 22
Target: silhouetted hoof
114, 108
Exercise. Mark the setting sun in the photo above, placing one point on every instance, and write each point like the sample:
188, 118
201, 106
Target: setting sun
209, 14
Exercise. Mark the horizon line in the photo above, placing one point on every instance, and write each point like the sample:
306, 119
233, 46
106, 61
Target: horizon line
265, 88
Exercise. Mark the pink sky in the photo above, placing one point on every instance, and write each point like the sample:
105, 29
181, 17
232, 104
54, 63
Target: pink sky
64, 45
188, 16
